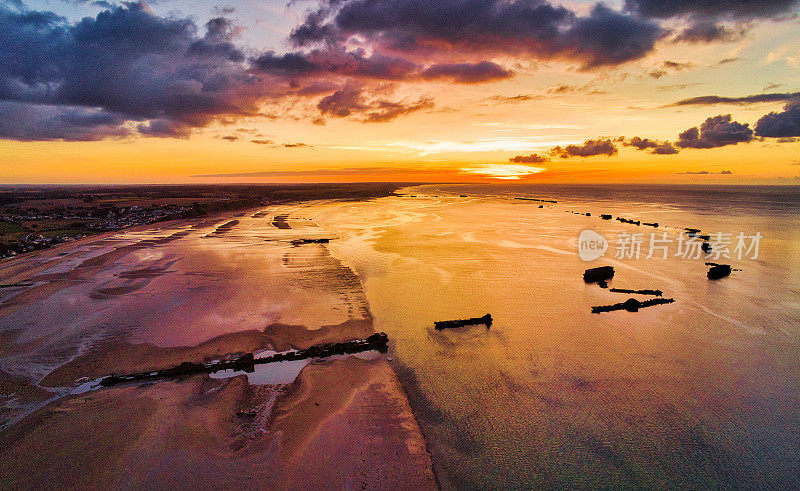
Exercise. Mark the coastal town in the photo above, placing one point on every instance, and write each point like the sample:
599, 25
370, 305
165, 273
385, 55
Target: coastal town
36, 218
78, 225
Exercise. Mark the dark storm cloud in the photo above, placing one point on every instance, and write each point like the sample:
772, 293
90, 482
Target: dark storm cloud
741, 9
534, 27
708, 32
217, 42
716, 131
784, 124
533, 158
30, 122
164, 128
355, 64
467, 73
590, 148
707, 17
708, 100
128, 62
335, 61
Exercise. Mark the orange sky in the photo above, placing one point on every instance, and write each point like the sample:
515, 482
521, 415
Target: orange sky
469, 131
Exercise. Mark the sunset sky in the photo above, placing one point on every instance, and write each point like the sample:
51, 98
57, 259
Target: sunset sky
399, 90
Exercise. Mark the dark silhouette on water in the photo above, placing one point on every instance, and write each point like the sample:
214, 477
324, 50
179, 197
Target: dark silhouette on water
594, 275
657, 293
377, 341
631, 305
537, 199
486, 319
299, 242
719, 271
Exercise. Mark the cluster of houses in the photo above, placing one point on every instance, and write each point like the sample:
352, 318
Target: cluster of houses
93, 221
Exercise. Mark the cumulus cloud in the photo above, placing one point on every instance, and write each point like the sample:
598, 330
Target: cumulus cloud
590, 148
716, 131
352, 100
640, 143
384, 111
533, 27
342, 103
127, 62
784, 124
664, 148
164, 128
533, 158
708, 32
467, 73
128, 71
656, 147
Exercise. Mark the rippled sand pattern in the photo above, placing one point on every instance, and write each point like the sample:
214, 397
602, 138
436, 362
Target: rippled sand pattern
150, 298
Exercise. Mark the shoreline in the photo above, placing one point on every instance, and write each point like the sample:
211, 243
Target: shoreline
373, 382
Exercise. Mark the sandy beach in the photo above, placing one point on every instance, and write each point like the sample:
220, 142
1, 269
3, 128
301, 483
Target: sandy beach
698, 392
196, 290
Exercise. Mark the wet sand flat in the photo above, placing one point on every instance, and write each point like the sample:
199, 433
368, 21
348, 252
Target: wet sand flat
700, 393
153, 297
